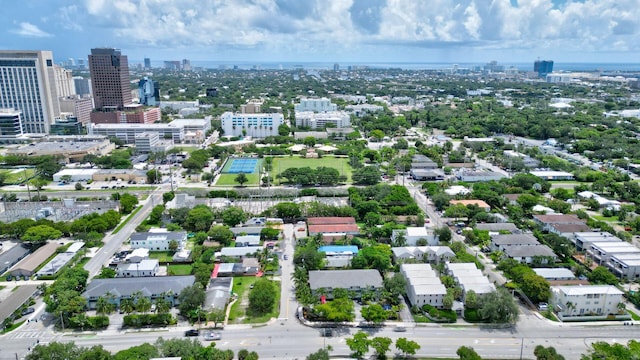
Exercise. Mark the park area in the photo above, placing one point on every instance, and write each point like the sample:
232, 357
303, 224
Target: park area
281, 164
16, 176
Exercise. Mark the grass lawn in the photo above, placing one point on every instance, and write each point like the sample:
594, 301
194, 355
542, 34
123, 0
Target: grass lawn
122, 224
281, 164
12, 327
184, 269
611, 219
230, 180
16, 176
238, 315
634, 316
419, 318
162, 256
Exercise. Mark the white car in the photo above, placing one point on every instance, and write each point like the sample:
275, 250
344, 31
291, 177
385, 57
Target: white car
211, 336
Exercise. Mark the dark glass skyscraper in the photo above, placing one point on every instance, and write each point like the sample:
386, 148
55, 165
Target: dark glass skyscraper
543, 67
109, 79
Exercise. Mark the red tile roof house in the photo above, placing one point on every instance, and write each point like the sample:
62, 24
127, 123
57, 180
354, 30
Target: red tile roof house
333, 227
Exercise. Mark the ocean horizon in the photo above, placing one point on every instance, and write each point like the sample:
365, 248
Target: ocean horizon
274, 65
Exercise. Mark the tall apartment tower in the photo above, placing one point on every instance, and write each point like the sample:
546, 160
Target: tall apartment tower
28, 84
147, 63
109, 79
64, 81
543, 67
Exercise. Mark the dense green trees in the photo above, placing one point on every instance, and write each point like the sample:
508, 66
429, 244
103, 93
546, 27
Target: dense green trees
373, 257
221, 234
498, 307
262, 297
128, 202
233, 216
191, 299
199, 218
241, 178
40, 233
308, 176
367, 175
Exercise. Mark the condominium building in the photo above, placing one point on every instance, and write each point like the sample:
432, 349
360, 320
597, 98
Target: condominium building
82, 85
334, 119
27, 84
78, 106
65, 84
315, 105
254, 125
585, 300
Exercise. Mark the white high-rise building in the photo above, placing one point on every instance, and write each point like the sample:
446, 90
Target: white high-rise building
28, 84
64, 81
315, 105
254, 125
336, 119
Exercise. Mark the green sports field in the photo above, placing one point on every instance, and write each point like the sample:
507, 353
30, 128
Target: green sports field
281, 164
16, 176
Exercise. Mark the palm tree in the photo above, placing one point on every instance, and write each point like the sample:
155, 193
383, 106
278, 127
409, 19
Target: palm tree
621, 307
143, 304
570, 306
103, 306
127, 305
163, 306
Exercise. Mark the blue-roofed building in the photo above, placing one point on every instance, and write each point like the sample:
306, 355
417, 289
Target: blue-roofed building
339, 256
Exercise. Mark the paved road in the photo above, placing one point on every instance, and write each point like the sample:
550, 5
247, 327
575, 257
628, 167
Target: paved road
112, 242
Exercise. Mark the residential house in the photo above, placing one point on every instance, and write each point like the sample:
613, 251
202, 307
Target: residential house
157, 239
144, 268
218, 293
545, 221
501, 242
12, 256
469, 277
535, 254
414, 233
498, 227
333, 226
479, 203
27, 266
248, 240
555, 274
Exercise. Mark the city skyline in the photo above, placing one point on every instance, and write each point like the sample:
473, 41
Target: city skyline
367, 31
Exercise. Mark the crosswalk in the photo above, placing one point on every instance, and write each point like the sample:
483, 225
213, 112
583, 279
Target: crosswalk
31, 334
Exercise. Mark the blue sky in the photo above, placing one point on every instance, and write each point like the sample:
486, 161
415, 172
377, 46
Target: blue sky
366, 31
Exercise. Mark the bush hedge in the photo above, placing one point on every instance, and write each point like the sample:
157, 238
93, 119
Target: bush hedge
436, 315
139, 320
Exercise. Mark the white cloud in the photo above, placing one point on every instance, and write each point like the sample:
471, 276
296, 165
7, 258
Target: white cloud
30, 30
287, 26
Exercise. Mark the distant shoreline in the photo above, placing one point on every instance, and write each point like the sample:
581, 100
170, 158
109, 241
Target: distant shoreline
273, 65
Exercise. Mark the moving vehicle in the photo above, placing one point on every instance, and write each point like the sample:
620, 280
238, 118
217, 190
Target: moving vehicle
211, 336
192, 332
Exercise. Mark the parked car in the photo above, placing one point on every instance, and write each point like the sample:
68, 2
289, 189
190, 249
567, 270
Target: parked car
192, 332
28, 311
211, 336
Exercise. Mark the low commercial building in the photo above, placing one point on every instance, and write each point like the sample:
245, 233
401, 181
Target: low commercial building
60, 261
16, 299
159, 240
12, 256
128, 132
195, 130
27, 266
479, 176
586, 300
553, 175
323, 282
501, 242
152, 288
334, 226
218, 293
339, 256
422, 162
74, 175
139, 176
69, 151
427, 174
132, 114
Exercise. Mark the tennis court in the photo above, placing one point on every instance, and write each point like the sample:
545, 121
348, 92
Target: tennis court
242, 165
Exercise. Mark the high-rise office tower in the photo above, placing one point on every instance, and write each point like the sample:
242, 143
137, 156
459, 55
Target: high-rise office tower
543, 67
109, 79
28, 84
186, 65
147, 63
10, 123
148, 92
